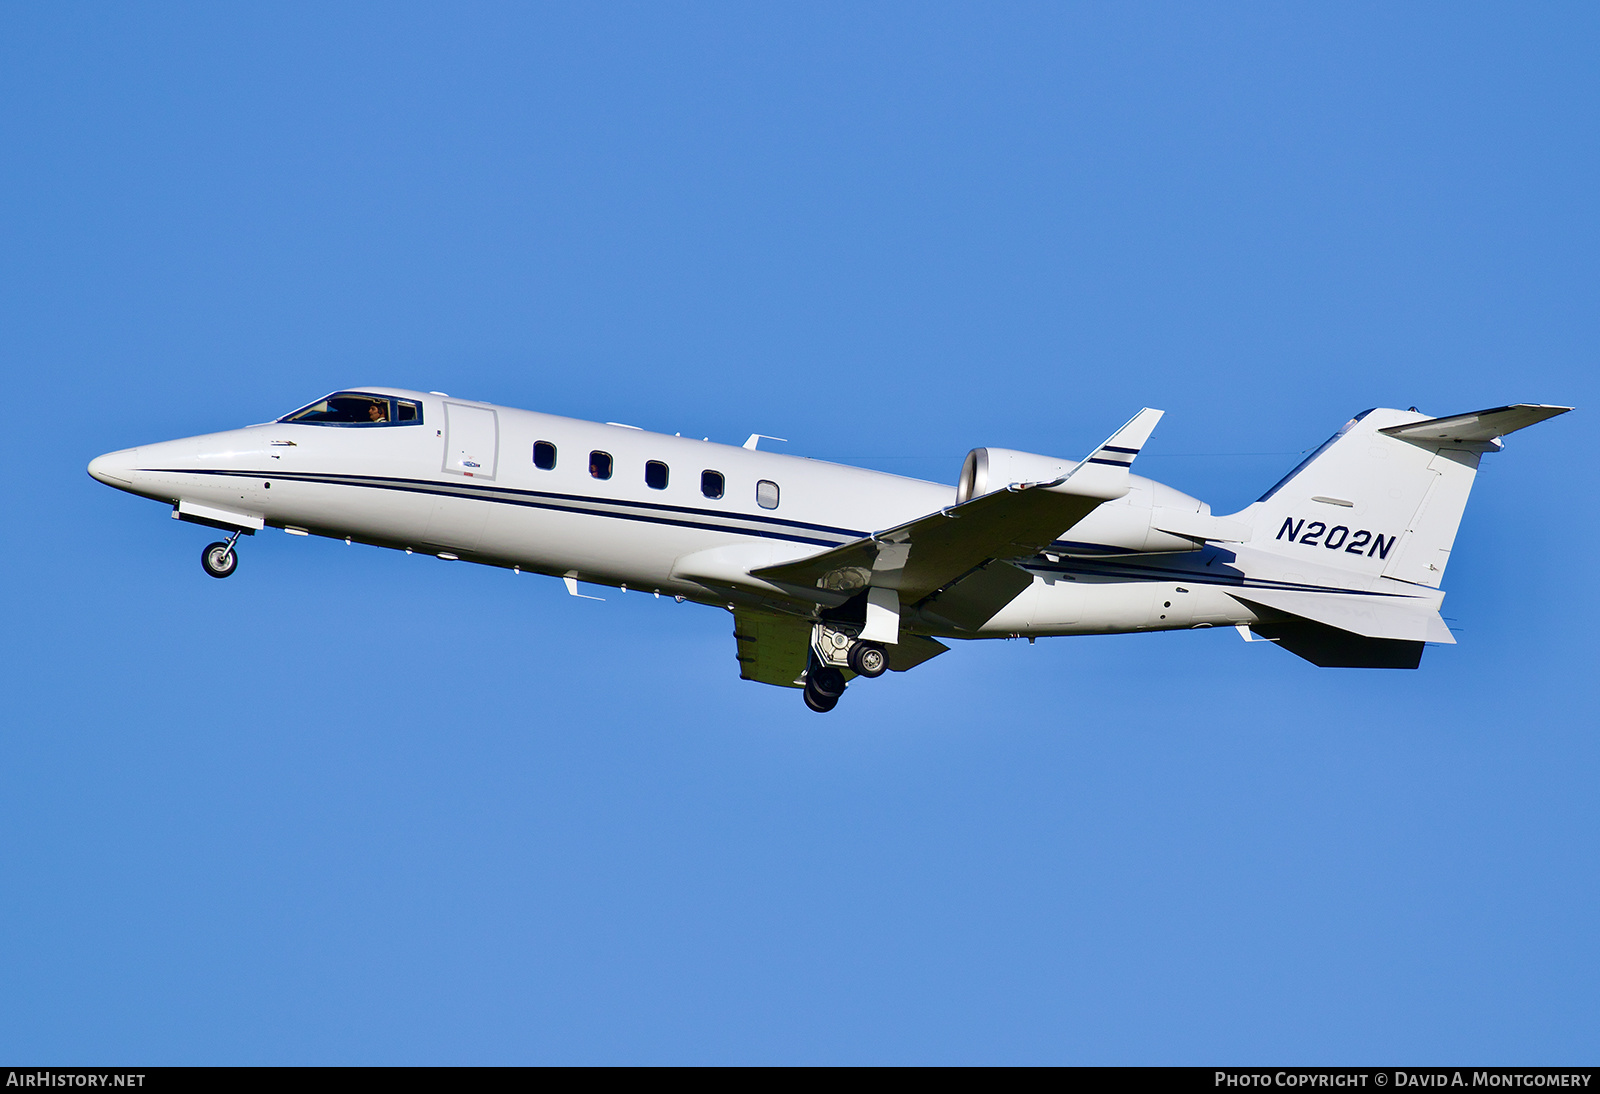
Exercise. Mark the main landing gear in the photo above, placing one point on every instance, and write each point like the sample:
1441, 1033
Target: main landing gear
824, 685
824, 676
868, 659
220, 559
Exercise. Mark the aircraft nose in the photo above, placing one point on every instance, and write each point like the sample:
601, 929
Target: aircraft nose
114, 468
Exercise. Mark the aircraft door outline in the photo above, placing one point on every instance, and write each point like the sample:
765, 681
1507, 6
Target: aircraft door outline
471, 441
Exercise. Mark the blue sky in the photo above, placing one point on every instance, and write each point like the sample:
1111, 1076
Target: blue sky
254, 821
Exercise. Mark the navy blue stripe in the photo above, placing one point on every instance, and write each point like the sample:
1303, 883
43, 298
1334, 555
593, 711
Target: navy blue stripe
492, 492
1128, 571
1119, 448
525, 498
1113, 463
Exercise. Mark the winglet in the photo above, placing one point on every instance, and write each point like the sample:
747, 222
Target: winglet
1104, 472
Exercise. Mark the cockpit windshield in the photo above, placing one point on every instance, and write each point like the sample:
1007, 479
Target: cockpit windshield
357, 408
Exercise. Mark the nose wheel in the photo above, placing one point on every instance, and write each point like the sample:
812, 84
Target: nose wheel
220, 559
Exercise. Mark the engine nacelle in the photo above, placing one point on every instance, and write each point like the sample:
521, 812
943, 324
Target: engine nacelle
991, 469
1152, 517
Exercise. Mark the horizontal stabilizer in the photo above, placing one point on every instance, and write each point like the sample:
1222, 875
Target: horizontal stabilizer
1331, 648
1402, 619
1478, 427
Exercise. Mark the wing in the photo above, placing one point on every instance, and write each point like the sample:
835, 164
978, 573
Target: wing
918, 559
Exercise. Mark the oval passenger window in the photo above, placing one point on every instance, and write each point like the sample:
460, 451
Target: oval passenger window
544, 456
655, 475
767, 494
711, 484
600, 465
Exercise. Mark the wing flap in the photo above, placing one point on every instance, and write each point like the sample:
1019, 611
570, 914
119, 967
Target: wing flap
773, 648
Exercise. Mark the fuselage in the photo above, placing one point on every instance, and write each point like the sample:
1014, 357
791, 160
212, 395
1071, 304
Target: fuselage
620, 506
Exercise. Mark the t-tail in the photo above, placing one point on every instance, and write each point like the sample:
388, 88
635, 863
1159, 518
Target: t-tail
1385, 494
1349, 546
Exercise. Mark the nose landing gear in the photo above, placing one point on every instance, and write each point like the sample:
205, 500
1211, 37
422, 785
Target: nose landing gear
220, 559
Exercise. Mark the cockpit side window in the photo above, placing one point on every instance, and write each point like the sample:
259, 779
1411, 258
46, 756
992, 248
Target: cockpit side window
357, 408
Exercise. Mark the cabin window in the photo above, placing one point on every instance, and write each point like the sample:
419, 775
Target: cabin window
357, 408
712, 484
767, 494
544, 455
655, 475
600, 465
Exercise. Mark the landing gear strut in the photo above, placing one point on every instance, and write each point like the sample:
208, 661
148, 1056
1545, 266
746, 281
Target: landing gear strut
220, 559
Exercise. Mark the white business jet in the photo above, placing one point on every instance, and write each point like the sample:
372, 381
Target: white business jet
834, 572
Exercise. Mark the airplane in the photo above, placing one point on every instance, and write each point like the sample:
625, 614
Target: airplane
835, 573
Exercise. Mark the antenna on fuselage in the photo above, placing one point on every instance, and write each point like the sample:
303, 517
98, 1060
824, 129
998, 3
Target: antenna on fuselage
757, 438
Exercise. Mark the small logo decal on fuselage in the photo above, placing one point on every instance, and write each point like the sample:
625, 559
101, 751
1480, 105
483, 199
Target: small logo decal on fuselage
1339, 537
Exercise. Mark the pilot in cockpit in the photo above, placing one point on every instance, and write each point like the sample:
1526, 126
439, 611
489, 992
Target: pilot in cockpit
378, 412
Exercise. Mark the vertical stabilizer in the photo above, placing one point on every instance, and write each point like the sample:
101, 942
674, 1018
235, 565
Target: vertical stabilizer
1384, 495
